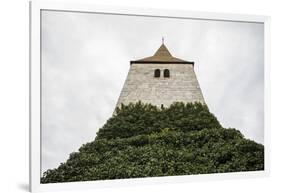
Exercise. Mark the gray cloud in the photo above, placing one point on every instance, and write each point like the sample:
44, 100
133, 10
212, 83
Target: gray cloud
85, 60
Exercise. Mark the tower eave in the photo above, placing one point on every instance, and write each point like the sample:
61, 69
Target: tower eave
160, 62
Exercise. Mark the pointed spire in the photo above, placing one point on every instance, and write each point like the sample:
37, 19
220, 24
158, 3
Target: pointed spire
163, 52
162, 55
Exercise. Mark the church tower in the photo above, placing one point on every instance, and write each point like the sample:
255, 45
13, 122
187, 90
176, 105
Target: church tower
161, 80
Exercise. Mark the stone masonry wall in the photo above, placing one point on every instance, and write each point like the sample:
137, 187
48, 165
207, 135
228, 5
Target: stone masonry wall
182, 85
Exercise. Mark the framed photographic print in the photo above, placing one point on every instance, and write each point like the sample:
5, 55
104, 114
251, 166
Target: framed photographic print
122, 96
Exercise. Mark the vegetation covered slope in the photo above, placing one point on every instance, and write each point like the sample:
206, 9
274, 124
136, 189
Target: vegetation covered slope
141, 140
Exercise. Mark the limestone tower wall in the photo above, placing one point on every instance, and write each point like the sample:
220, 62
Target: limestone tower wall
176, 81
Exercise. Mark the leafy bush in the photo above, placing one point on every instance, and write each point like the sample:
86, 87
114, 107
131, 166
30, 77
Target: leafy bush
140, 140
139, 118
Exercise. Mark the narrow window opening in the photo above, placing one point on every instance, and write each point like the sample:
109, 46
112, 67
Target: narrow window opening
157, 73
166, 73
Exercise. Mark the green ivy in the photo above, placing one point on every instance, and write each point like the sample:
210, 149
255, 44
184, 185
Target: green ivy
141, 140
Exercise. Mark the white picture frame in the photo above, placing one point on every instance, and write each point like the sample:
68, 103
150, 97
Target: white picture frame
35, 93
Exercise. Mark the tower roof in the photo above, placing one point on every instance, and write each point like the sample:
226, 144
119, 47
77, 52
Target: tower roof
162, 55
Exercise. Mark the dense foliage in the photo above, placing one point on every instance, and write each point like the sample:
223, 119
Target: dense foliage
141, 140
136, 119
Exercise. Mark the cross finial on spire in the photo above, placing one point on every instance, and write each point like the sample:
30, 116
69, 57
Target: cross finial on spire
162, 40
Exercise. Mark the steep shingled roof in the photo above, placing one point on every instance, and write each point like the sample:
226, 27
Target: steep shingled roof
162, 55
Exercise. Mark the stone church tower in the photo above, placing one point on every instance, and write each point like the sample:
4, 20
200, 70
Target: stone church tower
161, 80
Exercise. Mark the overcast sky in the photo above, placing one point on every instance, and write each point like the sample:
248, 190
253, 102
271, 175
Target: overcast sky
85, 60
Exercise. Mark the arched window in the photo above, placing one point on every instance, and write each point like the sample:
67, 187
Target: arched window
166, 73
157, 73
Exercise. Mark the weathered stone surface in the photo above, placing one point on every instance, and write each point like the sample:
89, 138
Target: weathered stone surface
141, 85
